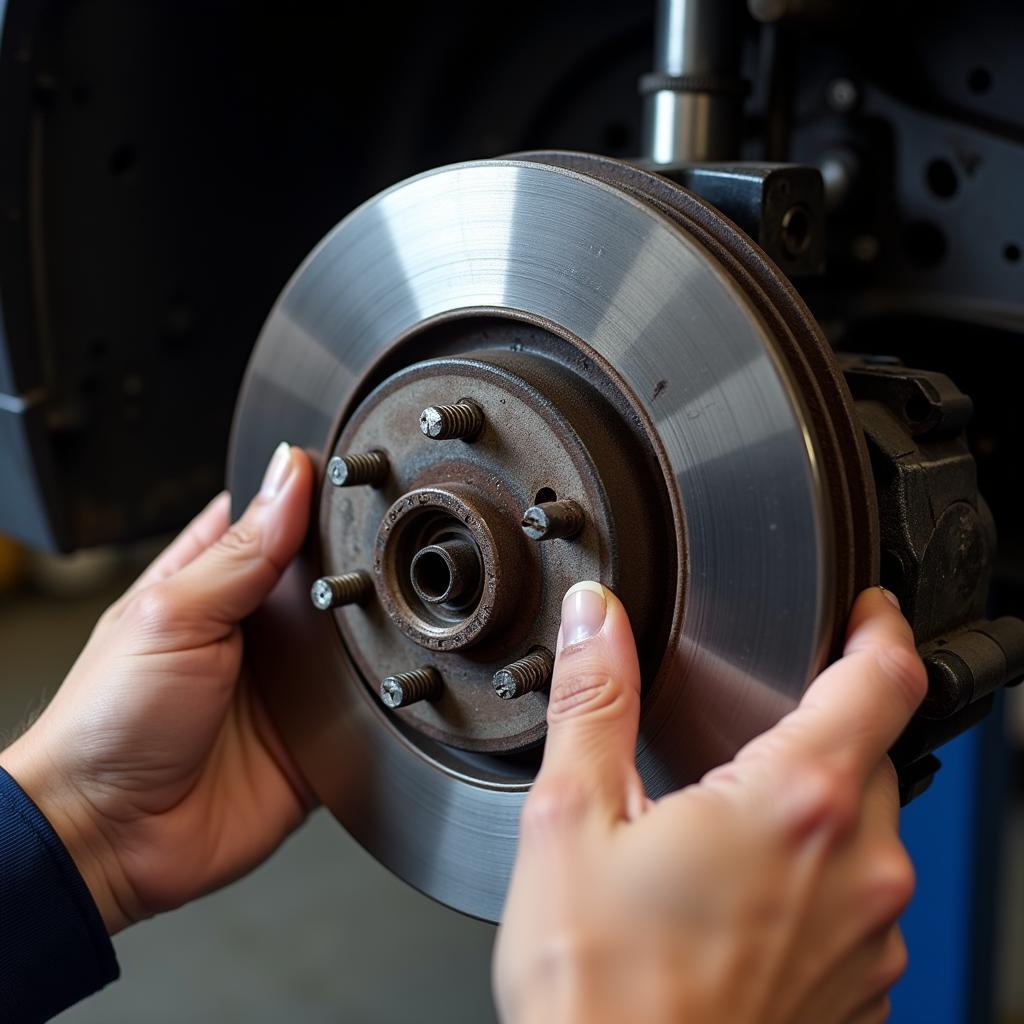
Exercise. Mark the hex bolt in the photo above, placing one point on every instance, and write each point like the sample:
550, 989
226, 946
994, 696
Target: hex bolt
464, 419
552, 520
351, 470
405, 688
526, 675
335, 591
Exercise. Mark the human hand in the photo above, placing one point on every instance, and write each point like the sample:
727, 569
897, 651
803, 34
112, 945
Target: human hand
155, 762
768, 892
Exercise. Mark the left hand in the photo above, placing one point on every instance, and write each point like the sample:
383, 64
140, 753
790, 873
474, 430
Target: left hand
155, 762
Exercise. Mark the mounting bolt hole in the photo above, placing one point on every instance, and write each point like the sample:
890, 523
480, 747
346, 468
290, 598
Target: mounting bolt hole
1011, 253
941, 178
917, 409
796, 230
544, 495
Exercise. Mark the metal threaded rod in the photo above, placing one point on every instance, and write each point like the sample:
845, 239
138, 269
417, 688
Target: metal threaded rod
463, 420
353, 470
335, 591
552, 520
405, 688
525, 675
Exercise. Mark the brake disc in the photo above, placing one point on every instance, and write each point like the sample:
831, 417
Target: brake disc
606, 348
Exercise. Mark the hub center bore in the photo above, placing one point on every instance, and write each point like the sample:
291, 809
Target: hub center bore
438, 562
447, 573
432, 516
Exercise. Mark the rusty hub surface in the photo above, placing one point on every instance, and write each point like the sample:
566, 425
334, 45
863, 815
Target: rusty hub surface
460, 585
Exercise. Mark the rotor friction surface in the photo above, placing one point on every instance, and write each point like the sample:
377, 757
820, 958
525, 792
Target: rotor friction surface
639, 293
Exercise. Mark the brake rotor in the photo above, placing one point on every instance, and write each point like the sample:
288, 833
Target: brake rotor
611, 342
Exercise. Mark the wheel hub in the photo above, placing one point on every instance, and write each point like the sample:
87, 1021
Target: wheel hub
472, 540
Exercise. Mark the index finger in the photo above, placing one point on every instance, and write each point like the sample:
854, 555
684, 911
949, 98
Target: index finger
191, 542
857, 708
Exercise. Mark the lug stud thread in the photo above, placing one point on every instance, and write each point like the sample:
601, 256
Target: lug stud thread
335, 591
352, 470
526, 675
405, 688
553, 520
464, 420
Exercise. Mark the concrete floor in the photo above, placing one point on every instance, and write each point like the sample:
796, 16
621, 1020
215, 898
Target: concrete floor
320, 932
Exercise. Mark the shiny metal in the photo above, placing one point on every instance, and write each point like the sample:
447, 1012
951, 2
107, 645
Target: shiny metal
405, 688
353, 470
462, 420
336, 591
842, 95
694, 40
526, 675
553, 520
755, 596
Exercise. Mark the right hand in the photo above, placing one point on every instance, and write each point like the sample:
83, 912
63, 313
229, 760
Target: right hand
768, 892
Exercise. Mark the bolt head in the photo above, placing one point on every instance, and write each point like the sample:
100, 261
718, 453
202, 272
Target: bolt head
430, 422
391, 692
504, 684
321, 595
536, 523
337, 471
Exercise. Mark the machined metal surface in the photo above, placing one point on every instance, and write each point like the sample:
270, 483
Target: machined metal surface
633, 291
693, 99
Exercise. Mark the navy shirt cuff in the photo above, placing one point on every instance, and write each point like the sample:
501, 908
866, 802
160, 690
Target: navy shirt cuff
54, 948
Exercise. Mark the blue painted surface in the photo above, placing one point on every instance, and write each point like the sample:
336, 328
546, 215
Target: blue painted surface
940, 832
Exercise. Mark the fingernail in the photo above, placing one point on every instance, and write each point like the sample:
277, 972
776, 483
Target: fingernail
583, 611
278, 471
890, 596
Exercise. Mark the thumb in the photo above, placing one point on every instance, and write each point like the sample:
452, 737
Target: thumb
231, 578
595, 701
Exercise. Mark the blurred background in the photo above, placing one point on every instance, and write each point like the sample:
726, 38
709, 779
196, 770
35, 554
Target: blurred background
165, 167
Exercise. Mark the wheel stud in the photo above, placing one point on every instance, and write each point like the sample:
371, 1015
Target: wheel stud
553, 520
526, 675
405, 688
351, 470
335, 591
464, 420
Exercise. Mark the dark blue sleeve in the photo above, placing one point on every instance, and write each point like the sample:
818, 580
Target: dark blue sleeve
54, 949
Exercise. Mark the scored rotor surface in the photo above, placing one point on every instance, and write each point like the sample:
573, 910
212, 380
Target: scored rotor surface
606, 268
